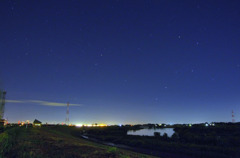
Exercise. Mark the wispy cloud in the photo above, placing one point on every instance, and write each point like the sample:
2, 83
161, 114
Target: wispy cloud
14, 101
41, 102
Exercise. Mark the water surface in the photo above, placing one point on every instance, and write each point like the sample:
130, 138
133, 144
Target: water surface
150, 132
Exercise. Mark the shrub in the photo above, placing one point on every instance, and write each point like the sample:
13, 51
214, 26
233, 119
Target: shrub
157, 134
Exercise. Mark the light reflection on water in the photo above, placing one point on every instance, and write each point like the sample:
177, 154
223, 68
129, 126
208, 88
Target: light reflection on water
150, 132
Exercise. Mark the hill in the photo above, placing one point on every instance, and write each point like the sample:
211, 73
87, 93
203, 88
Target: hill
47, 142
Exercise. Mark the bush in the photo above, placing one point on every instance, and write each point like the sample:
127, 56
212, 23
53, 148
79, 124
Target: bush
157, 134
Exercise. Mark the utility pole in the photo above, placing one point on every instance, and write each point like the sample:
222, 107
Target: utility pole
67, 114
2, 107
2, 104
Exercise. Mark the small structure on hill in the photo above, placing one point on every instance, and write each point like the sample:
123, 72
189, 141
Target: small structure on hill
37, 123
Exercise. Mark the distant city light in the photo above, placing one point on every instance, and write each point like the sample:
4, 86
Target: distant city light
102, 125
78, 125
91, 125
212, 124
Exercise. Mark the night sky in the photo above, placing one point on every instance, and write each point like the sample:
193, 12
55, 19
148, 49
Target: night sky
119, 62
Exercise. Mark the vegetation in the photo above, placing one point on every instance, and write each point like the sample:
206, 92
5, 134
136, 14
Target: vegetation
7, 141
55, 142
222, 140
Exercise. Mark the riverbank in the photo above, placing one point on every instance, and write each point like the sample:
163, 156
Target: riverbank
139, 150
221, 140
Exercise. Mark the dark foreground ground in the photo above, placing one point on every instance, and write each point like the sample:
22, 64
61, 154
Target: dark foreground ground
196, 141
20, 142
221, 140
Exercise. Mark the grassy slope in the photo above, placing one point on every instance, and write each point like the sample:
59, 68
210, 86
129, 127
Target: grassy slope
35, 142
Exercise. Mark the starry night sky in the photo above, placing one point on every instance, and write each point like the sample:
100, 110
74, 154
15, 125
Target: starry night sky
162, 61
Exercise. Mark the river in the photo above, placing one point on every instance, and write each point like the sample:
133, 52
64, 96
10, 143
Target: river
150, 132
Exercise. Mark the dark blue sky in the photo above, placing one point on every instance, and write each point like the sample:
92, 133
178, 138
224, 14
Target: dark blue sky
125, 61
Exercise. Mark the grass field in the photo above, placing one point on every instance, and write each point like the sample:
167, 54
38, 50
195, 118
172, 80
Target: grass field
45, 142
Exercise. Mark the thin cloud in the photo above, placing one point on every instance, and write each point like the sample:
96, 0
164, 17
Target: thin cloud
14, 101
41, 102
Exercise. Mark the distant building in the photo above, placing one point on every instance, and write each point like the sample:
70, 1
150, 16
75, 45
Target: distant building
37, 123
